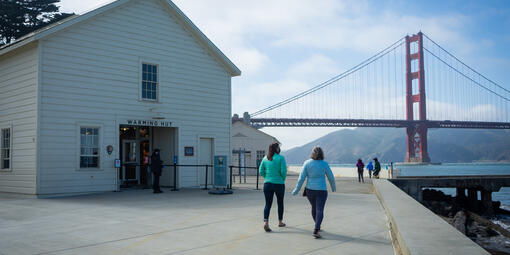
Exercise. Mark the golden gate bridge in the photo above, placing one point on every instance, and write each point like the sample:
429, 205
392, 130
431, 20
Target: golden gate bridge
388, 90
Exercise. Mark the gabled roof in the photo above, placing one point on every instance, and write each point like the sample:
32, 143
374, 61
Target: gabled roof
170, 7
244, 124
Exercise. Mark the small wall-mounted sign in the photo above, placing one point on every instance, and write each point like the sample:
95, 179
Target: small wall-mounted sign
117, 163
189, 151
109, 149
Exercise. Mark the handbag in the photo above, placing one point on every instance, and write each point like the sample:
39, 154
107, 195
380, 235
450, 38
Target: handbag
304, 192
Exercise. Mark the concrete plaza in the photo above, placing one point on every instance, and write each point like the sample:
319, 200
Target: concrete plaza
191, 221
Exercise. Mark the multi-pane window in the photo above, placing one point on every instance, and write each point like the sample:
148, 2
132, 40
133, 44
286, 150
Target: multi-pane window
260, 156
149, 82
89, 147
6, 148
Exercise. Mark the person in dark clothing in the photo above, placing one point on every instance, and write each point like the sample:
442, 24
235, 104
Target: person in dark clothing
360, 167
156, 167
377, 168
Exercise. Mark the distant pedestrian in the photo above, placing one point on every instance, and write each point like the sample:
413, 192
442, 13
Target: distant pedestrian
274, 170
370, 168
360, 167
315, 190
156, 167
377, 168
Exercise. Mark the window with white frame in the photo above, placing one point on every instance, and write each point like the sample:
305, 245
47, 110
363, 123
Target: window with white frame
149, 82
89, 147
6, 148
260, 156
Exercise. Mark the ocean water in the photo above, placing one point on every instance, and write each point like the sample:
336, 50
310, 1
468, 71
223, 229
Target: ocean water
445, 169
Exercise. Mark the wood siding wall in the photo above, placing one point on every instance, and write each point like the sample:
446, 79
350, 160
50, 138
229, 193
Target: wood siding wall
18, 100
90, 76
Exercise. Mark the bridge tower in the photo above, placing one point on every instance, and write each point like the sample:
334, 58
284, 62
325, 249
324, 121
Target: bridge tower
415, 76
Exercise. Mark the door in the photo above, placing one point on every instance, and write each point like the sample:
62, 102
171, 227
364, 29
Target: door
205, 158
164, 140
130, 169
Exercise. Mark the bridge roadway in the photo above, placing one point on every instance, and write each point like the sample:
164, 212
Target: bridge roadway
297, 122
486, 184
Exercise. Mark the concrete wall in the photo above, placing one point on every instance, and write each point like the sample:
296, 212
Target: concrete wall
18, 101
417, 229
91, 76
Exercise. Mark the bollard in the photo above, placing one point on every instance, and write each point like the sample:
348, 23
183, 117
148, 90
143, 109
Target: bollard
240, 175
206, 173
230, 178
175, 178
257, 188
245, 174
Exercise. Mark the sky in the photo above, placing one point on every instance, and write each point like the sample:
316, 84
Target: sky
284, 47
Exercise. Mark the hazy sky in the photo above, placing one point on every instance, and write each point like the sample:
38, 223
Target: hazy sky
286, 46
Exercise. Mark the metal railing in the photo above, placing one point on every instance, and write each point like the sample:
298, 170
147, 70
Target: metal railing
240, 174
174, 166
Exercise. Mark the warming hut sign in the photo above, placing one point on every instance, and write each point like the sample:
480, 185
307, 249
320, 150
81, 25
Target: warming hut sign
150, 123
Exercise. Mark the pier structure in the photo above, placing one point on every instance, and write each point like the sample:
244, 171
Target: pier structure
485, 184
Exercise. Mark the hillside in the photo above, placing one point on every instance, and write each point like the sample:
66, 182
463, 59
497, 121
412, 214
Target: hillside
389, 145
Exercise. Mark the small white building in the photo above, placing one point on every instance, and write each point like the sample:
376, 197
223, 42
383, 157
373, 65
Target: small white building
249, 145
114, 83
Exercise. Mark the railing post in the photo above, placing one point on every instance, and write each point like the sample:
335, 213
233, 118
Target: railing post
206, 173
245, 174
240, 181
257, 187
175, 178
230, 177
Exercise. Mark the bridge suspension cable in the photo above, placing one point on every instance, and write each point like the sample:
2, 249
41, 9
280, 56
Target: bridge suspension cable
334, 79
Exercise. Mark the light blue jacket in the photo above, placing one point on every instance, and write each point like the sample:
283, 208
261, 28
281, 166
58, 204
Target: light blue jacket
316, 171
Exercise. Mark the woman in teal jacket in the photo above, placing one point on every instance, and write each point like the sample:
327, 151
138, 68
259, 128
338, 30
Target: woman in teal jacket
274, 170
316, 191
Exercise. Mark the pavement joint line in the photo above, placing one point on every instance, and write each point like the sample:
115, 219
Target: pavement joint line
201, 225
263, 233
342, 242
129, 238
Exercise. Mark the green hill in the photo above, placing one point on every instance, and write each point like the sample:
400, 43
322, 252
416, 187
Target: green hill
389, 145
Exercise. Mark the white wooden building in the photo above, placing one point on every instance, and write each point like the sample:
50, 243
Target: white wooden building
132, 76
249, 145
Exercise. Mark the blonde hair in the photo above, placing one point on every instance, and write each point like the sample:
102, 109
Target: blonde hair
317, 153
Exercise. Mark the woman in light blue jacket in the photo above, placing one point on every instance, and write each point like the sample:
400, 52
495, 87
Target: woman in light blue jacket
316, 191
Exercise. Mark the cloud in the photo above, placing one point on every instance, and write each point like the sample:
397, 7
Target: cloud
80, 7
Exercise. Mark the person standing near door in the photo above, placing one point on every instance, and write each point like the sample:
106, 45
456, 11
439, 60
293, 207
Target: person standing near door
156, 166
273, 169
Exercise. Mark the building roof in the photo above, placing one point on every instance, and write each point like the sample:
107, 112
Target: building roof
170, 7
243, 123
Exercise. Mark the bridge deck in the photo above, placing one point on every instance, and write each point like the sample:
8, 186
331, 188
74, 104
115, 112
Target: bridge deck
291, 122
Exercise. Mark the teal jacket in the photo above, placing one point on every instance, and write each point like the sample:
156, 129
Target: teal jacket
274, 171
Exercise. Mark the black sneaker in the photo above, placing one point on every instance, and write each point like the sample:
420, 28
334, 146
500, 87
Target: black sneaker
316, 234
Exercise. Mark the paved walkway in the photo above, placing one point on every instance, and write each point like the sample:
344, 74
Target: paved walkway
191, 222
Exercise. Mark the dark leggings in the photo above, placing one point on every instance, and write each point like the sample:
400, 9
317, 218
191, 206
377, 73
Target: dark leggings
360, 176
317, 199
269, 190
